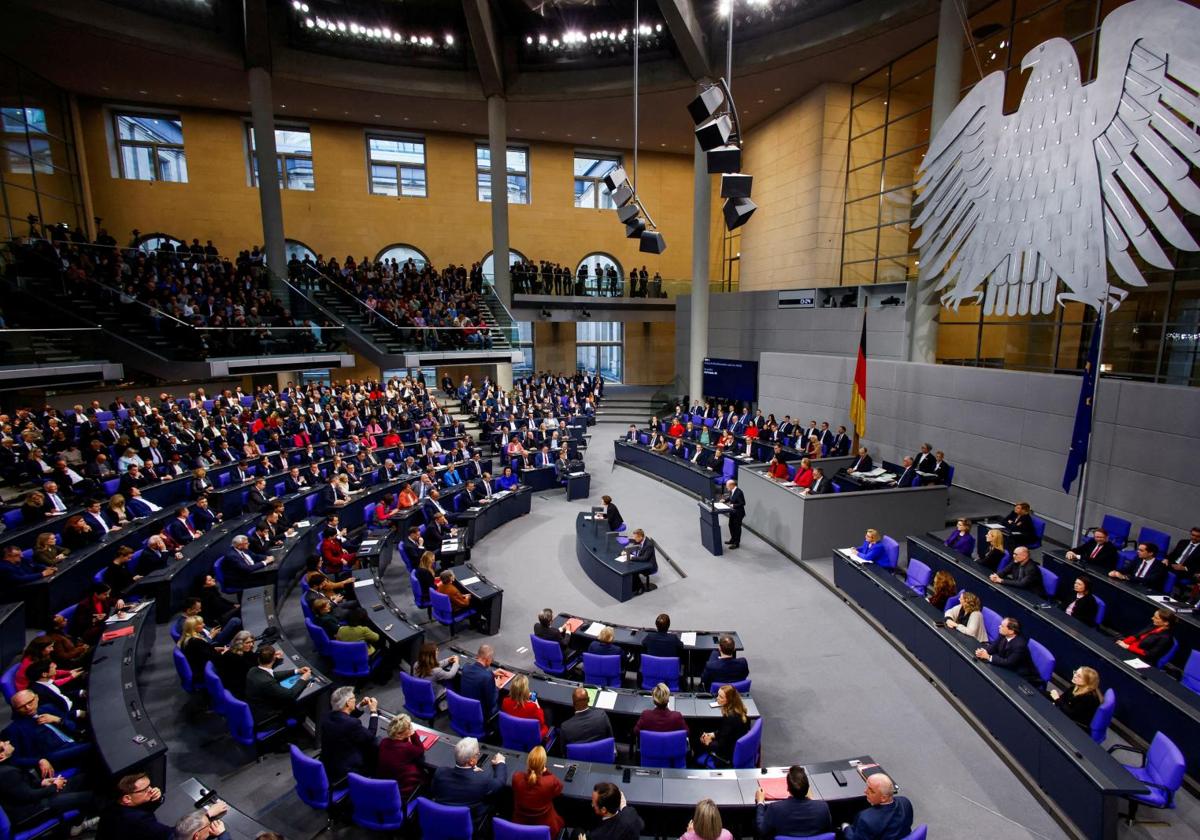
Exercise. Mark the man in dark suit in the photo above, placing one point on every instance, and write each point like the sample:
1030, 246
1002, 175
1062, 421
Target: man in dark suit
463, 784
36, 736
270, 703
587, 724
1022, 573
346, 746
1010, 650
1147, 571
257, 500
863, 462
294, 482
616, 822
179, 529
477, 682
724, 665
887, 817
27, 798
1184, 559
641, 549
796, 816
736, 499
131, 815
660, 642
841, 443
203, 517
240, 559
260, 540
437, 532
908, 477
820, 484
1098, 551
51, 700
925, 460
413, 546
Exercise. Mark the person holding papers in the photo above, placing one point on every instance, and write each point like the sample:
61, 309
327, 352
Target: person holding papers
1152, 643
736, 499
871, 551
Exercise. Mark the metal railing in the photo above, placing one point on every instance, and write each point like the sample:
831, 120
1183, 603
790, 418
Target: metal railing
599, 287
23, 346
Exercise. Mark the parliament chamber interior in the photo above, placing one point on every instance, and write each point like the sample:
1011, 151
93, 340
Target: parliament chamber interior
820, 463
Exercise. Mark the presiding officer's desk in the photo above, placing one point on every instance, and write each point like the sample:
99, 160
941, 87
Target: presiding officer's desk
698, 645
597, 553
1077, 774
258, 617
126, 739
808, 527
389, 620
665, 798
1127, 607
186, 796
1148, 700
554, 694
12, 632
682, 473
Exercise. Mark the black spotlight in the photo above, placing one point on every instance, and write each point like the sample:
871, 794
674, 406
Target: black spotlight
714, 133
627, 213
634, 229
706, 104
737, 212
724, 159
736, 185
652, 242
622, 195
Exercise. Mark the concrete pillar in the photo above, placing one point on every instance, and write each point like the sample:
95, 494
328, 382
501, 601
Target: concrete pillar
947, 82
701, 224
262, 115
498, 146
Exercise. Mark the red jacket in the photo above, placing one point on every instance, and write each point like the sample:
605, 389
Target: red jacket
533, 804
531, 711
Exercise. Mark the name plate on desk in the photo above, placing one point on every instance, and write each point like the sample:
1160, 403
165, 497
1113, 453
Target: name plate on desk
469, 581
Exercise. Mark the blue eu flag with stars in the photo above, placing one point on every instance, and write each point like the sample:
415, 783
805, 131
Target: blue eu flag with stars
1077, 457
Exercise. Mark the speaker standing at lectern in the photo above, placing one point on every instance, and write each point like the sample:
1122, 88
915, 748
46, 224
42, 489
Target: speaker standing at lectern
736, 499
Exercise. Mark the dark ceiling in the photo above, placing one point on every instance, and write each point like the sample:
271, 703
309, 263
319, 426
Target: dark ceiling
191, 53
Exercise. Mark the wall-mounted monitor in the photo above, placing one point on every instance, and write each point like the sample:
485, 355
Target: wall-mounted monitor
731, 379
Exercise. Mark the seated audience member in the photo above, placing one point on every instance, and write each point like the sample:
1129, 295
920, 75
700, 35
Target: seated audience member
27, 794
941, 470
1019, 524
1010, 650
68, 652
724, 665
1184, 559
544, 628
961, 539
1021, 573
520, 703
1097, 550
603, 644
39, 649
735, 722
661, 718
1147, 571
616, 820
820, 484
862, 463
90, 614
507, 481
1152, 644
77, 534
777, 467
324, 617
661, 642
16, 570
180, 529
587, 723
476, 681
796, 816
887, 815
534, 790
804, 473
156, 556
357, 629
402, 756
47, 551
1084, 698
908, 476
463, 784
447, 585
706, 823
239, 558
1083, 605
270, 703
943, 588
437, 671
967, 617
413, 546
198, 825
196, 646
115, 512
872, 550
346, 745
117, 573
36, 736
235, 663
131, 815
217, 610
992, 550
33, 509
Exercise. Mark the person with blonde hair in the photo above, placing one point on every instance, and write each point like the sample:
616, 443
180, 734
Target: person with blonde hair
804, 473
967, 617
871, 551
402, 756
992, 551
520, 703
195, 644
735, 722
46, 549
534, 790
706, 823
603, 645
1084, 698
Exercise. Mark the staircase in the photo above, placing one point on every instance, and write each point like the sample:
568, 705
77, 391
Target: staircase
627, 404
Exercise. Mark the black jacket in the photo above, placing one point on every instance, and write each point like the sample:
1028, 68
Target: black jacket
346, 745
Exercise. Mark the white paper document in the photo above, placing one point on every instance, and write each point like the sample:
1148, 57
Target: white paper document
1136, 663
368, 543
606, 700
593, 629
363, 582
722, 506
303, 523
469, 581
688, 638
576, 474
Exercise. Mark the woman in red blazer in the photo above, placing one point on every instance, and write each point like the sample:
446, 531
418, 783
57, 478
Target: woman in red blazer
1152, 643
534, 790
804, 473
402, 756
520, 704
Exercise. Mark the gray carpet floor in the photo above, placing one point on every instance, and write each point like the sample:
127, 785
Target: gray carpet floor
828, 685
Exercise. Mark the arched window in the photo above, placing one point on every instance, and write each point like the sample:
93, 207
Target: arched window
402, 253
151, 242
600, 283
489, 264
296, 248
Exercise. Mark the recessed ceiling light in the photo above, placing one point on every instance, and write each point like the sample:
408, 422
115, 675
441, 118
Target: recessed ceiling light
406, 119
284, 106
662, 144
778, 89
760, 102
568, 134
435, 122
103, 87
543, 133
215, 99
593, 136
142, 92
179, 96
347, 113
376, 116
862, 69
464, 125
515, 129
314, 110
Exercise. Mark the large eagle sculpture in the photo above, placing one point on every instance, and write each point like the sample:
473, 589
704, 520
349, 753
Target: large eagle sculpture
1011, 204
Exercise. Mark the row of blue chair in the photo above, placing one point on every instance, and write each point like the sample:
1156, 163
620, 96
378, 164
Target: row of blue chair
607, 671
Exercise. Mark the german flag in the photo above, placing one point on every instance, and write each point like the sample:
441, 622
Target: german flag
858, 396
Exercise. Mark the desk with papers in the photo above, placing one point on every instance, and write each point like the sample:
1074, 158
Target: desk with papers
603, 559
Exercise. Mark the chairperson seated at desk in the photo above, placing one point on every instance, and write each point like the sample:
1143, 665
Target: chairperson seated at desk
796, 816
1022, 573
862, 463
1098, 550
1152, 643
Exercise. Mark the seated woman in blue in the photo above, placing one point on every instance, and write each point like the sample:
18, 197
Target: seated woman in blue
603, 644
507, 481
961, 539
872, 549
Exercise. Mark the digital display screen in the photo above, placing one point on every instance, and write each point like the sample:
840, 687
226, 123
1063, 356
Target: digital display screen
731, 379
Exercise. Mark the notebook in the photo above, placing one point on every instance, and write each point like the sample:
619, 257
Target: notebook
502, 677
606, 700
774, 788
572, 624
109, 635
428, 739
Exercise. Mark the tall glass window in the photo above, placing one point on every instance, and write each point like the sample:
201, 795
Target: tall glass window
293, 158
402, 253
517, 166
296, 248
590, 170
600, 348
150, 147
526, 365
397, 165
489, 263
151, 242
26, 141
598, 282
